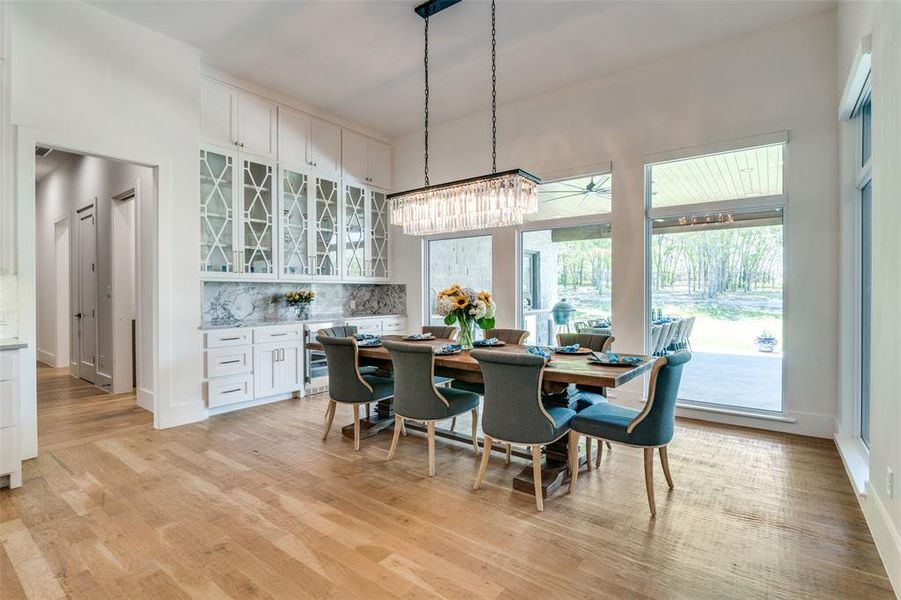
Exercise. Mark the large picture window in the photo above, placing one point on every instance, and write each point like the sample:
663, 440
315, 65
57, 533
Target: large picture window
716, 274
863, 115
462, 260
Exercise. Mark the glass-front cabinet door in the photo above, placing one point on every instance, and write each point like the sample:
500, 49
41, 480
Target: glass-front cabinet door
217, 217
257, 217
325, 235
295, 210
378, 244
355, 231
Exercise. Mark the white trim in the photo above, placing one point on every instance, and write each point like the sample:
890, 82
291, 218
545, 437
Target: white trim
856, 458
884, 532
856, 83
745, 143
577, 172
720, 206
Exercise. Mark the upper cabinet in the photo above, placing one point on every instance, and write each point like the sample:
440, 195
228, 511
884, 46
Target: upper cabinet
366, 160
232, 117
288, 196
306, 140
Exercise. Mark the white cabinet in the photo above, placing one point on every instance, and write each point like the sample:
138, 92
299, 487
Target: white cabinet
237, 214
10, 454
278, 368
294, 131
232, 117
257, 125
325, 147
365, 247
365, 160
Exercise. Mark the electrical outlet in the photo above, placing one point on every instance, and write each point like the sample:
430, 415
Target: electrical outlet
889, 482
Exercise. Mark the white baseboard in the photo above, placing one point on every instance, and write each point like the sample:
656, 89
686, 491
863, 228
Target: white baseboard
885, 534
249, 404
145, 399
47, 358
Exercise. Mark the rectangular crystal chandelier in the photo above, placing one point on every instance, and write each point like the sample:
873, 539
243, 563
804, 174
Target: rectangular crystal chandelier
495, 200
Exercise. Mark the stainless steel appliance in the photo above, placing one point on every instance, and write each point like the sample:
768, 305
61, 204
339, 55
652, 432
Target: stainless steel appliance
315, 367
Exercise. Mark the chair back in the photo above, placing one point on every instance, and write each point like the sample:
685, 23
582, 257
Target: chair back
655, 424
596, 330
415, 395
512, 410
441, 331
673, 333
594, 341
345, 384
510, 336
664, 334
341, 331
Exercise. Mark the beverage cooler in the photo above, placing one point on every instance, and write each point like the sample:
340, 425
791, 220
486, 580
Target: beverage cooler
316, 368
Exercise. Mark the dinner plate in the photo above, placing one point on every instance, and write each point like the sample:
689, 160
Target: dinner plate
634, 363
410, 338
576, 352
482, 344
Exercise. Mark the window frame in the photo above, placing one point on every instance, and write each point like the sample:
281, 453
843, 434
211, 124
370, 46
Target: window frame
426, 255
863, 177
754, 203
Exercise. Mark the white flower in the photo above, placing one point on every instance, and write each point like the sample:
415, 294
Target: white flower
479, 309
445, 306
490, 309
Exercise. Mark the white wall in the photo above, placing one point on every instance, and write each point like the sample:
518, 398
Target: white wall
881, 20
782, 78
85, 80
73, 185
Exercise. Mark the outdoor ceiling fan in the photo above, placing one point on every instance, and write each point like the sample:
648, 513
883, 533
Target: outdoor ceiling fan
595, 188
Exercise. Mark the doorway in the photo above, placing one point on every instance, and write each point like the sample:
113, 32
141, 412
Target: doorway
86, 296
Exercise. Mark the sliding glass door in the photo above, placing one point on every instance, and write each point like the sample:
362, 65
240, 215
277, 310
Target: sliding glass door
716, 274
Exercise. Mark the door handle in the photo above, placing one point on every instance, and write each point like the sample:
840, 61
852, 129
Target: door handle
77, 315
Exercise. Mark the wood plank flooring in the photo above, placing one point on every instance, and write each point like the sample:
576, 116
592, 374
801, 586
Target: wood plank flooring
255, 505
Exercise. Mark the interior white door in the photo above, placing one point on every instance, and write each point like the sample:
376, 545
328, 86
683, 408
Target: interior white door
379, 164
325, 147
218, 113
294, 131
257, 125
86, 282
355, 156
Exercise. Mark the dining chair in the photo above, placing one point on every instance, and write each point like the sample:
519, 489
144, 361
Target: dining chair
651, 427
510, 336
442, 332
513, 412
676, 325
664, 334
598, 343
597, 330
343, 331
688, 329
347, 385
417, 398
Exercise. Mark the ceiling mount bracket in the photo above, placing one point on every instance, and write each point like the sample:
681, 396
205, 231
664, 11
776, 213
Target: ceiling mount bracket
427, 9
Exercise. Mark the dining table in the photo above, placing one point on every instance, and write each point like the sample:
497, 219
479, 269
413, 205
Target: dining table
569, 380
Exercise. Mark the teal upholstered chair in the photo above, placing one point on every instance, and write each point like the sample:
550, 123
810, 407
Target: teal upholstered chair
442, 332
343, 331
510, 336
599, 342
418, 399
347, 385
651, 427
513, 411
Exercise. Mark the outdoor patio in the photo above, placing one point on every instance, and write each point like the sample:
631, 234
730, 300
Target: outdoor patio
750, 381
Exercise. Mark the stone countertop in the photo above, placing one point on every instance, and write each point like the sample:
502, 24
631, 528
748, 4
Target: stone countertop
11, 344
317, 319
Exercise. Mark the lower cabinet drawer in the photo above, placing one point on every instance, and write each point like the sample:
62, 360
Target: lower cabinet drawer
229, 361
10, 458
394, 325
229, 390
263, 335
228, 337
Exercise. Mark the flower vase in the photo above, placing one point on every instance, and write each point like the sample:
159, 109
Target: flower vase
467, 334
303, 311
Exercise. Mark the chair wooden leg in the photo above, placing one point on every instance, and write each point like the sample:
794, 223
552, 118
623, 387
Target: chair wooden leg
368, 410
664, 462
329, 417
507, 454
475, 430
453, 423
431, 428
574, 459
398, 424
649, 479
609, 445
486, 452
597, 459
403, 428
536, 475
588, 451
356, 427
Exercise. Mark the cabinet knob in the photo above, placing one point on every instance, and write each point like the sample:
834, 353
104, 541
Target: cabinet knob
241, 144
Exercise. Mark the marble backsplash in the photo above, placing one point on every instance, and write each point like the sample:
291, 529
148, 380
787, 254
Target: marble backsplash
249, 303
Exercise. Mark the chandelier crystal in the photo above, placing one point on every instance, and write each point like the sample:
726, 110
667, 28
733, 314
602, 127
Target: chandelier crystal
495, 200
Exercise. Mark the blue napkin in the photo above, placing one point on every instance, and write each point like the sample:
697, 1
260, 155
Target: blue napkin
420, 336
448, 349
536, 351
363, 336
568, 349
612, 358
371, 341
488, 342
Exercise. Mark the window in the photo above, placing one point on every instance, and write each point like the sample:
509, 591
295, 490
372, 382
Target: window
566, 264
863, 114
716, 274
462, 260
575, 197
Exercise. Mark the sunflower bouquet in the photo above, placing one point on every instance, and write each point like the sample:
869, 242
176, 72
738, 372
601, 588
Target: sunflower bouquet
467, 308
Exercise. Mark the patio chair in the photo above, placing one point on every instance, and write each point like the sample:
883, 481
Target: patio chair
688, 329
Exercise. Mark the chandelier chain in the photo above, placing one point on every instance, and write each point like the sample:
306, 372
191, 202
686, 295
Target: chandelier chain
426, 65
493, 89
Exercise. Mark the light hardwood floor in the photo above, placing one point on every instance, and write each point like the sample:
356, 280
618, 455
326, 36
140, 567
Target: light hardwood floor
255, 505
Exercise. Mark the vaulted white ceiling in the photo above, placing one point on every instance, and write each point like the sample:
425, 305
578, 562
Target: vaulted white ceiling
362, 60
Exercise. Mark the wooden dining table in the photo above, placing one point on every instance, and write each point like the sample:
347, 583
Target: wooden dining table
569, 380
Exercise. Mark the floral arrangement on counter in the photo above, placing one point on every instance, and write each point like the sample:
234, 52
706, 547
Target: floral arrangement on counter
467, 308
300, 300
